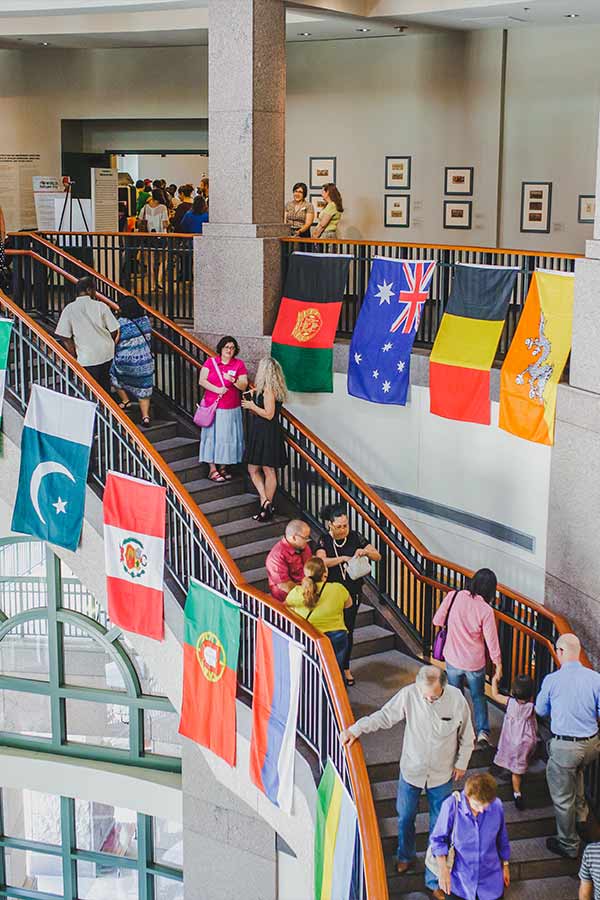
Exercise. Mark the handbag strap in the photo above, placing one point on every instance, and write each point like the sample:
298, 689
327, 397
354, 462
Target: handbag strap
456, 795
213, 359
342, 566
449, 609
134, 322
316, 604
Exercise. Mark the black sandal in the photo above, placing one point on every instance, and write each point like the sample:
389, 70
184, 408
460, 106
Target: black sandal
124, 404
146, 421
265, 514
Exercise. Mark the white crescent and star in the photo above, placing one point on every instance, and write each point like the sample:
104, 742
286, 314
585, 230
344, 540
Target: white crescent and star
40, 471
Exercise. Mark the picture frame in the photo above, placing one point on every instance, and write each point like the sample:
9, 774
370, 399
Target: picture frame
458, 213
536, 206
396, 210
458, 181
321, 170
318, 204
586, 209
398, 173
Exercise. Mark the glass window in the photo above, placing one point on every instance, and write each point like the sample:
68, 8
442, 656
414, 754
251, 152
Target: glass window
99, 882
102, 724
106, 829
167, 889
150, 683
23, 558
26, 714
161, 732
24, 651
34, 871
87, 664
31, 815
168, 843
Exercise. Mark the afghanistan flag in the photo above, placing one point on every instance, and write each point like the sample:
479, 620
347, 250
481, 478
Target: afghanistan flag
134, 549
5, 332
307, 321
55, 453
210, 659
467, 340
335, 834
383, 337
536, 358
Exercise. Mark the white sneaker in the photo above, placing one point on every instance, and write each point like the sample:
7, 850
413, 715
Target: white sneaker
483, 740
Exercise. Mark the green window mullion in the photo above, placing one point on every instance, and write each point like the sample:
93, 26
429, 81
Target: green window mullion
136, 733
55, 650
69, 845
145, 857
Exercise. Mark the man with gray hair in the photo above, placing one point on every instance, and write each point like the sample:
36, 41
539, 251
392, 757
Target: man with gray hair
437, 746
285, 561
570, 697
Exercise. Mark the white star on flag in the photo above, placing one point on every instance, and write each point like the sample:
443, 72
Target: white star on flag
387, 347
358, 358
60, 506
386, 387
401, 366
375, 373
385, 292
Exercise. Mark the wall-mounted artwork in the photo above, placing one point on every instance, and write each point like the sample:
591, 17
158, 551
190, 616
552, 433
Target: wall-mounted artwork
586, 210
536, 206
321, 170
396, 211
457, 213
318, 203
458, 180
397, 173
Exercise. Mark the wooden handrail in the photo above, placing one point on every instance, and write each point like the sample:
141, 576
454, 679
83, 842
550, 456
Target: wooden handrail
374, 866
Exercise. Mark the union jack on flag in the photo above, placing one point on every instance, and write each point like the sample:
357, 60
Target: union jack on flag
418, 276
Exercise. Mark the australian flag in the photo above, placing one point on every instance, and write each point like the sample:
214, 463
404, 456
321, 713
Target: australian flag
379, 363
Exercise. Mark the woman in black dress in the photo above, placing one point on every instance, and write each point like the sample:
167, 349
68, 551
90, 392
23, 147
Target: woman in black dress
336, 549
265, 446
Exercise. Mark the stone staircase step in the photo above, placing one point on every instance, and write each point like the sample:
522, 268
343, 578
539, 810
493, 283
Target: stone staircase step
203, 489
372, 639
188, 469
174, 448
159, 430
562, 888
229, 508
242, 531
365, 616
258, 578
252, 555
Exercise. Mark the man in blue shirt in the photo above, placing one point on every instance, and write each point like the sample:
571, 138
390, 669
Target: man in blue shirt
571, 698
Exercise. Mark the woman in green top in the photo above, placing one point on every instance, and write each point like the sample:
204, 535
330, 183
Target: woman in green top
330, 215
323, 605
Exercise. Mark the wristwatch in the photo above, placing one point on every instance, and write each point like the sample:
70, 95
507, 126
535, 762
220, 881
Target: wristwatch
506, 862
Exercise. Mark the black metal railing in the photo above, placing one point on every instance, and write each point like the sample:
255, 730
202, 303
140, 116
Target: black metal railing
364, 252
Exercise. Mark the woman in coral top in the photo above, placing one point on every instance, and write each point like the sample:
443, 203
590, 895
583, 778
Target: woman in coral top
471, 626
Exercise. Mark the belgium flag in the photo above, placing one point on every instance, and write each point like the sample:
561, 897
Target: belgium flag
307, 321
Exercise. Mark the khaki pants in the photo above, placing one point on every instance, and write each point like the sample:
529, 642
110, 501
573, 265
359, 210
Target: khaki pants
564, 773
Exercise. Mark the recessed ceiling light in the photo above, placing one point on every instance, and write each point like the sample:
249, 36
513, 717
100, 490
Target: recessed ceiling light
571, 15
45, 44
363, 30
304, 34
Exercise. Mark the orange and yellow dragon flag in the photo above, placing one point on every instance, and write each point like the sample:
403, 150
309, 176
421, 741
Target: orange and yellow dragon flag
536, 358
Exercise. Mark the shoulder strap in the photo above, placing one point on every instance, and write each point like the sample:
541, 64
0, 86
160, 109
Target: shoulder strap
449, 608
316, 604
218, 371
456, 795
134, 322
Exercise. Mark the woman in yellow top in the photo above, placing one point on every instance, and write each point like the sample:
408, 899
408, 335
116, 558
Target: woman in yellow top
322, 605
330, 215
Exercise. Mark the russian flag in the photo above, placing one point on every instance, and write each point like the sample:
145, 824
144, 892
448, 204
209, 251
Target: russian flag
277, 669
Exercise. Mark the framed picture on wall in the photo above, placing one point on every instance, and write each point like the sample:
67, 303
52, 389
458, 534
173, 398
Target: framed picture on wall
458, 180
396, 211
321, 170
457, 213
536, 206
586, 210
397, 173
318, 204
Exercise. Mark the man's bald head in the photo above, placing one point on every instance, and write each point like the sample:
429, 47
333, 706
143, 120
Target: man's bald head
297, 533
568, 647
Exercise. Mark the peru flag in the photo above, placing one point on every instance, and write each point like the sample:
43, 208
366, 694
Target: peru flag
277, 670
134, 546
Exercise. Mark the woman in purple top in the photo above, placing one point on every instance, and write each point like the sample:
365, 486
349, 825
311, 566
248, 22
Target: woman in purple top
474, 825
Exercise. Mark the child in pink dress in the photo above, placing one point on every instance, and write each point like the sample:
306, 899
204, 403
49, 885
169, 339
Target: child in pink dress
518, 738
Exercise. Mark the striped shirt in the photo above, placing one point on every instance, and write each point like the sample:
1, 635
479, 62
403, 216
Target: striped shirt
590, 867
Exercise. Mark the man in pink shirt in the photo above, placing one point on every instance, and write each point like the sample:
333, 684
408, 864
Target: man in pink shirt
471, 626
285, 562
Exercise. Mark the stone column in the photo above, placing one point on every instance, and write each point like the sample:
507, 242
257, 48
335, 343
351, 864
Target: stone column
573, 560
238, 258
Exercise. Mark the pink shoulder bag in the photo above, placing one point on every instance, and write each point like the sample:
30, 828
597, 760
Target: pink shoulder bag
205, 413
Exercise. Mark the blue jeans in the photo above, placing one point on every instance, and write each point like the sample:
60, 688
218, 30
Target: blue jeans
339, 640
476, 684
407, 803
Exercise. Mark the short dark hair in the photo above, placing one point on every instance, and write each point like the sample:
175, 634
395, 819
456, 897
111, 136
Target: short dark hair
130, 308
172, 189
300, 186
156, 183
484, 584
186, 189
85, 285
332, 511
140, 183
158, 195
199, 205
228, 339
523, 688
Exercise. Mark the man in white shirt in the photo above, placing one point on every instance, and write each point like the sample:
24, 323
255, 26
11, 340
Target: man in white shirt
88, 329
438, 743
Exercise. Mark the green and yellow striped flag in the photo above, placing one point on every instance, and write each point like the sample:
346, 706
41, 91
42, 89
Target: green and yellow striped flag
335, 835
5, 330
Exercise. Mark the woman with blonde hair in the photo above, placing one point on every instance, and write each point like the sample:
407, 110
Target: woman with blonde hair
323, 605
265, 447
330, 215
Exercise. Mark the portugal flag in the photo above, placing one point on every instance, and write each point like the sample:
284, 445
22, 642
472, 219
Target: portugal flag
307, 321
134, 548
210, 658
467, 340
